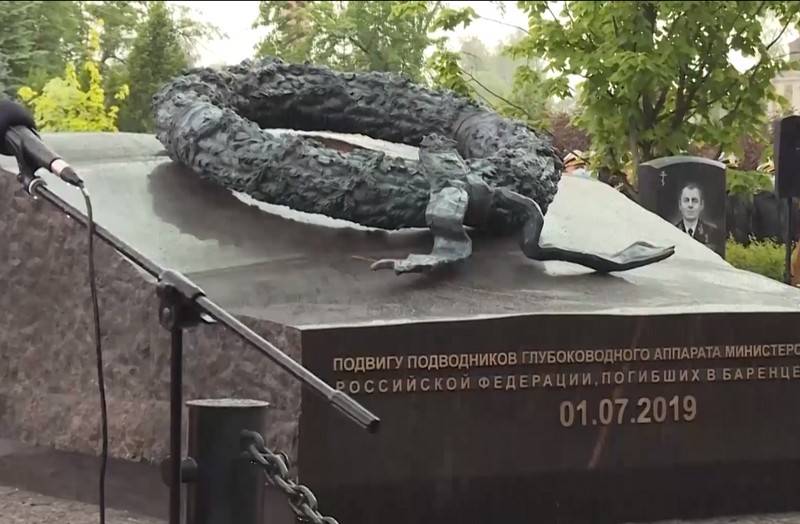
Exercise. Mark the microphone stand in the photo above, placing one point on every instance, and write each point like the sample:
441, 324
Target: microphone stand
182, 304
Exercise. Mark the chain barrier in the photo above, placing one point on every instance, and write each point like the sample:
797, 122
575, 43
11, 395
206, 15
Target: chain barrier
276, 469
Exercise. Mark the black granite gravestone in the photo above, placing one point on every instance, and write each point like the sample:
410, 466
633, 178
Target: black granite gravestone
689, 192
509, 390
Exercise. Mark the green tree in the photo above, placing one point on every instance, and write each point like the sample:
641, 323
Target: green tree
64, 104
515, 86
356, 36
157, 55
6, 82
656, 77
16, 42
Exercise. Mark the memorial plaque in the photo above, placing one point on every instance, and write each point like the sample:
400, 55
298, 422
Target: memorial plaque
689, 192
494, 410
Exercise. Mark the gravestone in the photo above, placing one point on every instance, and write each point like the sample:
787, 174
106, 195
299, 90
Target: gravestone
689, 192
509, 390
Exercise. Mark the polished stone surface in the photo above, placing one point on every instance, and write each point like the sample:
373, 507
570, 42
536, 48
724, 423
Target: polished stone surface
273, 263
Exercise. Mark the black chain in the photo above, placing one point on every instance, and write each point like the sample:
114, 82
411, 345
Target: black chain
276, 469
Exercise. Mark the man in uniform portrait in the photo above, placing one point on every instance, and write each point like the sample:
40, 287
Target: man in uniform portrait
691, 204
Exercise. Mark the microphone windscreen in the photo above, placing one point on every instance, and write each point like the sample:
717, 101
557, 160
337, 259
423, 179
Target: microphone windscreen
12, 114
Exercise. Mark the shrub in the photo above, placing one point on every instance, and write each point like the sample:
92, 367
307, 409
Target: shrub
763, 257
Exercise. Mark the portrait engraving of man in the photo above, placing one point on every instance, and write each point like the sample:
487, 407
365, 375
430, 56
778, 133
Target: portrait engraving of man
691, 203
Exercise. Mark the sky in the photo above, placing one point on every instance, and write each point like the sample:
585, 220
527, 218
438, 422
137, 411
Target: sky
235, 20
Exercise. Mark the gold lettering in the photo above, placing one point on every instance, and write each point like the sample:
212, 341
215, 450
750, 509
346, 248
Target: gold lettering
465, 382
669, 375
523, 382
658, 355
483, 382
425, 384
547, 382
695, 375
383, 385
730, 351
397, 385
773, 373
587, 379
502, 359
451, 383
574, 379
337, 364
711, 375
411, 384
369, 386
762, 373
438, 384
355, 387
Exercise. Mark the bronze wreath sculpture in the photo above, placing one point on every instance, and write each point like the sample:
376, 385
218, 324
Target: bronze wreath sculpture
475, 167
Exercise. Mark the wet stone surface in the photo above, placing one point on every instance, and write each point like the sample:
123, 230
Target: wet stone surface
18, 507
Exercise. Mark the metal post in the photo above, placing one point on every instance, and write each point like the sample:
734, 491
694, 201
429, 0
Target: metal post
227, 489
175, 424
789, 240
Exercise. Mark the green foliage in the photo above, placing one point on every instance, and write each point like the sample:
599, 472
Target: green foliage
157, 55
514, 86
352, 36
747, 183
657, 76
64, 104
39, 39
6, 82
765, 258
17, 46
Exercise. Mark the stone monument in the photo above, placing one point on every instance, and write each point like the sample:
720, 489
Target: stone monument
690, 193
509, 389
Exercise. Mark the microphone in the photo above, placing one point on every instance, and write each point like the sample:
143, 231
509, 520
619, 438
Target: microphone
18, 137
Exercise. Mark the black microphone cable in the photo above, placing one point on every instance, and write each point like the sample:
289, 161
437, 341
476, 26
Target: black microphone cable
99, 352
